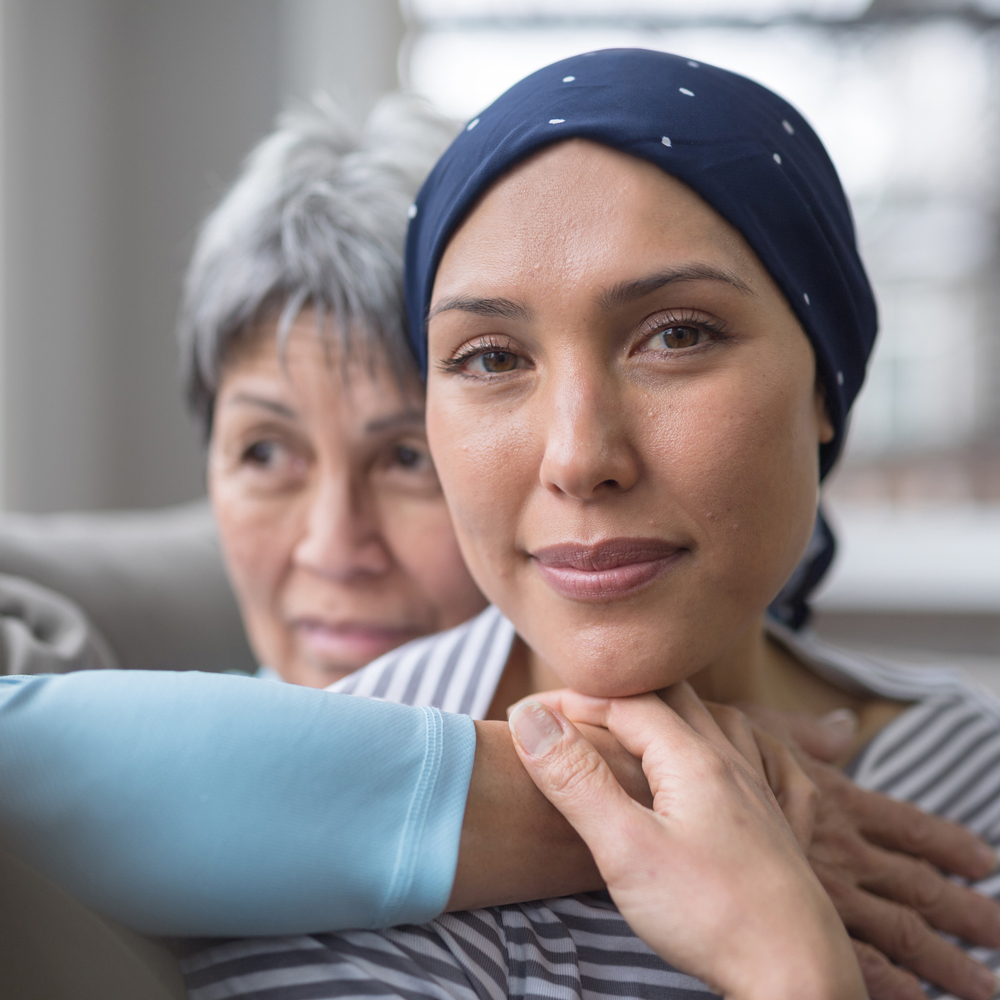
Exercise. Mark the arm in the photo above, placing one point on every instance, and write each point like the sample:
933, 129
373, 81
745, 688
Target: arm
515, 844
201, 804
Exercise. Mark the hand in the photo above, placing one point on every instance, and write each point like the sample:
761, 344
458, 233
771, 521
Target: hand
773, 759
711, 877
776, 761
879, 859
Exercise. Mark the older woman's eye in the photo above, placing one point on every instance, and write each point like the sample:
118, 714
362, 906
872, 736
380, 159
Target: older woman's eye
262, 453
677, 337
410, 458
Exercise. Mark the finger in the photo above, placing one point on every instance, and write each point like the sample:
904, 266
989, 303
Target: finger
682, 699
677, 708
900, 826
573, 776
943, 904
903, 936
736, 728
641, 721
578, 708
827, 738
797, 795
883, 980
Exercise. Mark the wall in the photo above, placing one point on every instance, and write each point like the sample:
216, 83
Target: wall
121, 122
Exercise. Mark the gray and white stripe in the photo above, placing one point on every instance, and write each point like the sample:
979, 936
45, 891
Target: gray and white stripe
943, 754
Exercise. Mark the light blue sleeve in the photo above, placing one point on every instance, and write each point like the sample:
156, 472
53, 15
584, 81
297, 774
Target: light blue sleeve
198, 804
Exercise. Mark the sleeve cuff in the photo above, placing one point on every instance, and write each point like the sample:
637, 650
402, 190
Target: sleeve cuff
428, 851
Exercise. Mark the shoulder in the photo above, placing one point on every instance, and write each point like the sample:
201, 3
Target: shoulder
943, 755
454, 670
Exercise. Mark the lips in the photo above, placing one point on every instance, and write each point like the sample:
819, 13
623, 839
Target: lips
608, 570
353, 642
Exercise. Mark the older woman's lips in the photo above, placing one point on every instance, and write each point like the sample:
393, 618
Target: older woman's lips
358, 643
606, 571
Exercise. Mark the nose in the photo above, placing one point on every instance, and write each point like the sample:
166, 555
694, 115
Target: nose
343, 539
588, 450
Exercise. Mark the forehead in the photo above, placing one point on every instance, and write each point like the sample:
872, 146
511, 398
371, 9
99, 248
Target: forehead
578, 206
314, 363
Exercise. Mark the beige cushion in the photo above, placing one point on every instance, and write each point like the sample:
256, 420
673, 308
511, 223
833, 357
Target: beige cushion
154, 586
152, 582
53, 948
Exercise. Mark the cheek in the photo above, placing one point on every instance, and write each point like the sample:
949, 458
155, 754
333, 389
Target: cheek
487, 470
422, 540
256, 537
742, 458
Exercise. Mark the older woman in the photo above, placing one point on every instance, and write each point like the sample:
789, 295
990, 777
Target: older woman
645, 324
335, 534
334, 528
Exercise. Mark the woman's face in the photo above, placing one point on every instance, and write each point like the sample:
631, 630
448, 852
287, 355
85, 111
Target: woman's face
623, 413
332, 522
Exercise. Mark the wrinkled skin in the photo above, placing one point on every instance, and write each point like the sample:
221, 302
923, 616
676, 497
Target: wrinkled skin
334, 530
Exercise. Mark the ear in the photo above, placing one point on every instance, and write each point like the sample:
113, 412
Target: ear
823, 423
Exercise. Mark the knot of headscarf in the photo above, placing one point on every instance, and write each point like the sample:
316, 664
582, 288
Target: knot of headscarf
748, 153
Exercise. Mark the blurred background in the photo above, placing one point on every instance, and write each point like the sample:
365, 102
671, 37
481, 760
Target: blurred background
122, 121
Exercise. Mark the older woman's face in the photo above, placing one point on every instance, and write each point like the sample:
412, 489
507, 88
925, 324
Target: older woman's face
622, 410
332, 522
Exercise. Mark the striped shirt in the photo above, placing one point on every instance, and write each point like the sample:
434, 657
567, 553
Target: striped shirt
943, 754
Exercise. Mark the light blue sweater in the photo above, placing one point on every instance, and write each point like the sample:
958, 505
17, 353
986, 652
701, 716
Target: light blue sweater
298, 810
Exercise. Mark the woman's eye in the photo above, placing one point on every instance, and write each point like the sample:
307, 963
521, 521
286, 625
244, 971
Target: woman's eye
677, 337
493, 362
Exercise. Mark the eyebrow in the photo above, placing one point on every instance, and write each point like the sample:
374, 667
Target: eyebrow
618, 295
406, 418
279, 409
629, 291
494, 307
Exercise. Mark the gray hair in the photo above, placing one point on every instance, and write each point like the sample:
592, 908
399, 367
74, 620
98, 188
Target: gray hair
316, 219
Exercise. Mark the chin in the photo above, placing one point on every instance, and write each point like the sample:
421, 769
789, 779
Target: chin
608, 662
307, 673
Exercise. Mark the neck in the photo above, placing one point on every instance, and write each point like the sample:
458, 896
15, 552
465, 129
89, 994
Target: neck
753, 670
744, 673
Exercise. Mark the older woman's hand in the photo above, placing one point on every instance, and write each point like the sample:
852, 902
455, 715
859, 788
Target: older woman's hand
881, 862
711, 877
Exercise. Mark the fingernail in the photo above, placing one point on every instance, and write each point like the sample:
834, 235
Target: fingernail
987, 981
842, 722
987, 857
535, 728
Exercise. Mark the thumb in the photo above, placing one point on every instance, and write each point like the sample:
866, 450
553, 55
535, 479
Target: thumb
573, 776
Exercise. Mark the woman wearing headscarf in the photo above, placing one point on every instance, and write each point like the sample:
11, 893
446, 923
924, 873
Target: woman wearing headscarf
634, 287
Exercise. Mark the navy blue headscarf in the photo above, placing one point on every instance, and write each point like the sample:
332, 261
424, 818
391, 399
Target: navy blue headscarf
748, 153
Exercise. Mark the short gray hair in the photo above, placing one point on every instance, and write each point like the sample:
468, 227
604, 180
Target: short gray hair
316, 219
